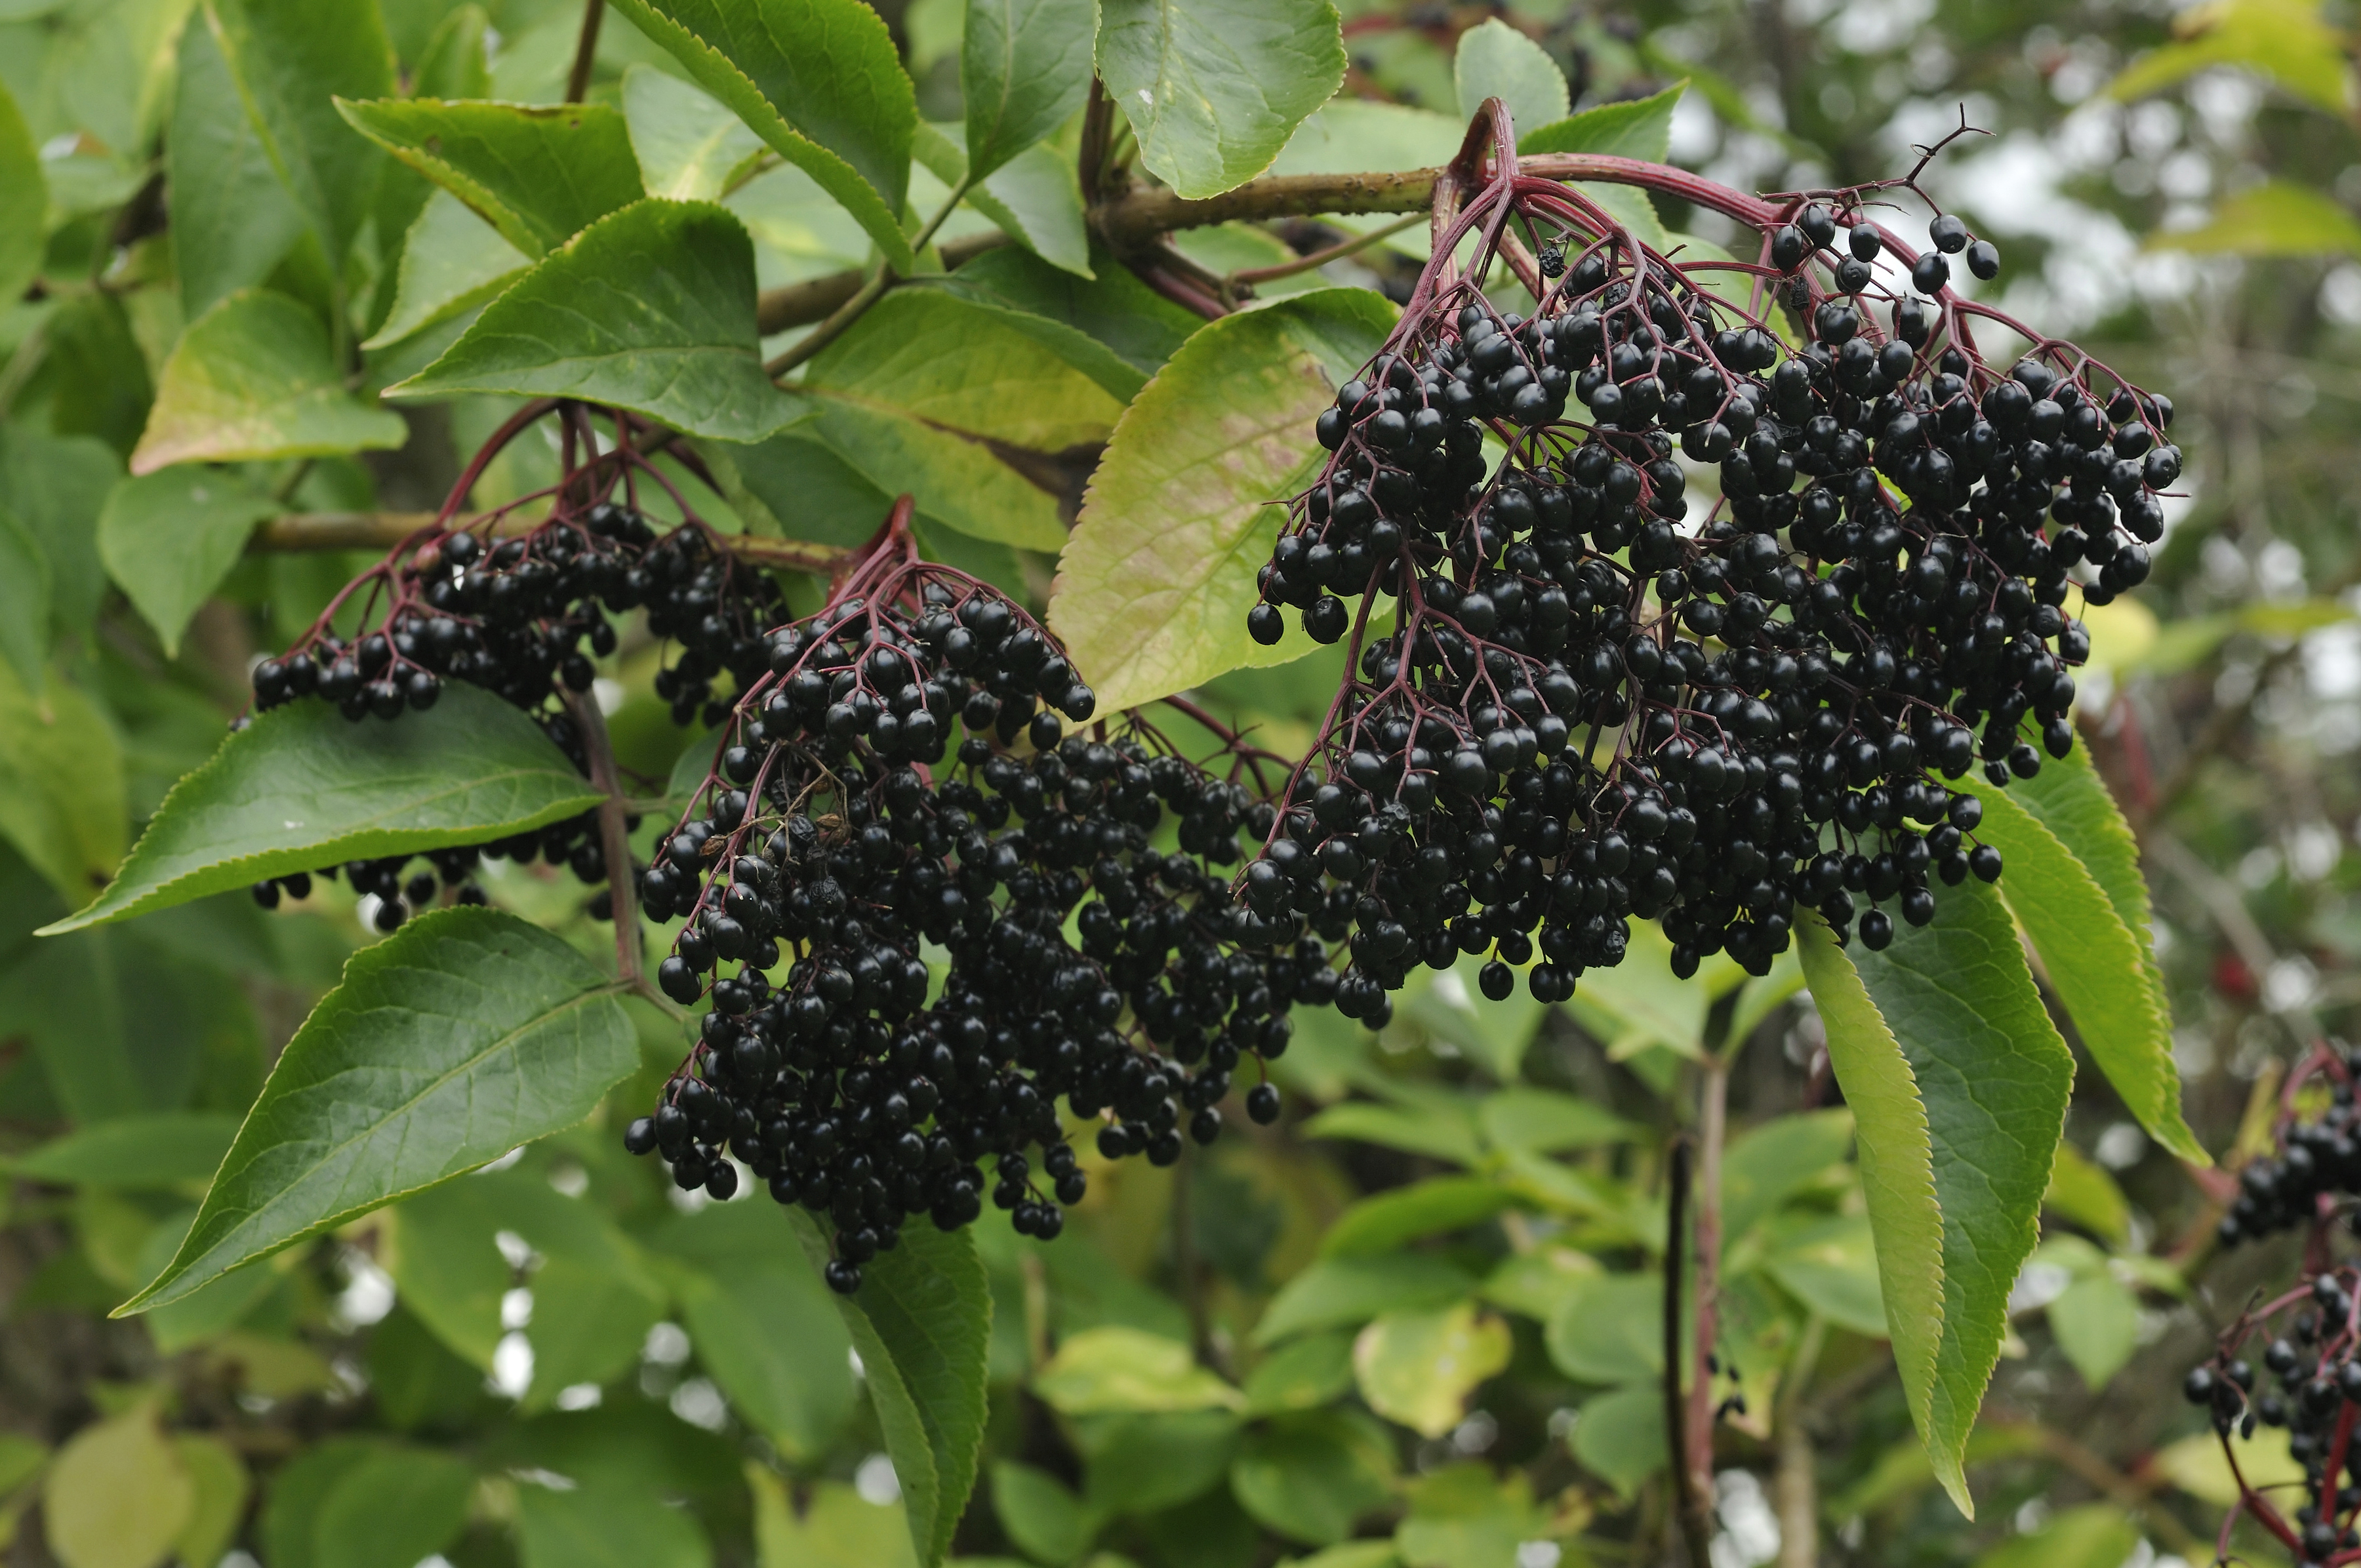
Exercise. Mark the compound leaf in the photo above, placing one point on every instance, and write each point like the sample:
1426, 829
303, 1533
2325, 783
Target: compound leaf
1214, 89
539, 174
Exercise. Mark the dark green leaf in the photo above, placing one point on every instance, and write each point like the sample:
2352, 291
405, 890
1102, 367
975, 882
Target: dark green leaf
255, 377
1214, 89
1495, 60
55, 488
1635, 127
1995, 1078
1040, 1514
415, 1380
465, 1034
1141, 326
232, 220
25, 200
1025, 66
303, 787
291, 1510
1311, 1476
123, 1028
538, 174
763, 1323
97, 373
606, 1527
393, 1510
650, 309
1139, 1464
24, 603
1382, 1223
290, 59
1339, 1292
169, 539
160, 1149
922, 1323
819, 79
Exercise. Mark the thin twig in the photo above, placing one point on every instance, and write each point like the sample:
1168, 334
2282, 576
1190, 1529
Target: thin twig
1320, 259
817, 299
586, 50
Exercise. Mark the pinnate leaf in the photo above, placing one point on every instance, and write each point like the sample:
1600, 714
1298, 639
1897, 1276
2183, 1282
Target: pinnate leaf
1214, 89
302, 787
465, 1034
1156, 580
540, 174
254, 377
651, 309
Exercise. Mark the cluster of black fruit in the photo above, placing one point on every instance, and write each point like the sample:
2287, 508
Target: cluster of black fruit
2315, 1159
833, 840
1575, 711
2318, 1401
524, 619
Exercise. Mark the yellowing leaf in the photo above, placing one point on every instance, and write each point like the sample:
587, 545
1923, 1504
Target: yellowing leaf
1419, 1367
1112, 1368
118, 1495
253, 379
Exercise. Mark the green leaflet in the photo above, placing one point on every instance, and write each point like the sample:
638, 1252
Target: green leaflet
1214, 89
1156, 580
24, 603
1107, 303
289, 58
980, 369
2070, 799
2104, 973
61, 794
651, 308
452, 261
232, 220
1495, 60
23, 201
302, 787
159, 1149
1995, 1077
538, 174
690, 147
170, 538
254, 377
922, 1321
465, 1034
1025, 65
396, 1505
835, 104
55, 487
961, 481
1635, 127
1034, 197
606, 1527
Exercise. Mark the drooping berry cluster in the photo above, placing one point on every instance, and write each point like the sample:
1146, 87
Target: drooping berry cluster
2317, 1161
832, 839
1581, 706
2311, 1335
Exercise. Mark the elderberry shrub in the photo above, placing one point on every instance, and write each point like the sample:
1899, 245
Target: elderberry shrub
835, 841
2315, 1160
2310, 1336
1578, 711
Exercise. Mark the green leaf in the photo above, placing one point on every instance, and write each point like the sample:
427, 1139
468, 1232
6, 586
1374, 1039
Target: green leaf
836, 1527
650, 309
1302, 1376
1831, 1266
464, 1035
162, 1149
117, 1496
1214, 89
290, 59
1311, 1476
292, 1508
2070, 802
1995, 1077
452, 261
1341, 1292
169, 539
1897, 1177
1383, 1222
23, 201
1439, 1132
56, 486
2097, 1321
977, 370
1419, 1367
222, 1487
2093, 1536
1142, 1463
253, 378
302, 787
964, 484
1025, 66
1109, 303
1546, 1122
394, 1508
1045, 1520
1495, 60
24, 603
540, 174
232, 220
2277, 217
764, 1324
1765, 1166
606, 1527
818, 80
1034, 197
690, 147
123, 1026
1111, 1369
2288, 40
1609, 1329
2082, 1193
1156, 580
1620, 1436
1353, 136
922, 1323
62, 795
1635, 127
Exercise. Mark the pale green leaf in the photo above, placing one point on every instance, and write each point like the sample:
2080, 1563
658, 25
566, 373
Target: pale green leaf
254, 377
1767, 1165
829, 1526
650, 309
56, 485
2082, 1193
290, 59
2286, 40
452, 262
818, 80
1620, 1436
1382, 1222
1355, 136
962, 483
1154, 583
1631, 127
2096, 1535
232, 219
117, 1496
303, 787
23, 201
1213, 90
1302, 1375
169, 539
1609, 1329
159, 1149
1111, 1369
1831, 1266
1496, 61
394, 1508
1025, 66
2097, 1322
1419, 1367
221, 1486
61, 791
1341, 1292
690, 147
1034, 197
538, 174
464, 1035
606, 1527
25, 618
2277, 217
1040, 1515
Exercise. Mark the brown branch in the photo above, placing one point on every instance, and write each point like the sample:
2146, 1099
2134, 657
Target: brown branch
1693, 1512
586, 50
384, 530
817, 299
1714, 1121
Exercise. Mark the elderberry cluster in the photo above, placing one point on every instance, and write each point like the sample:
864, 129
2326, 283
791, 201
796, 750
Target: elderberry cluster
836, 843
1582, 706
2318, 1400
2315, 1159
